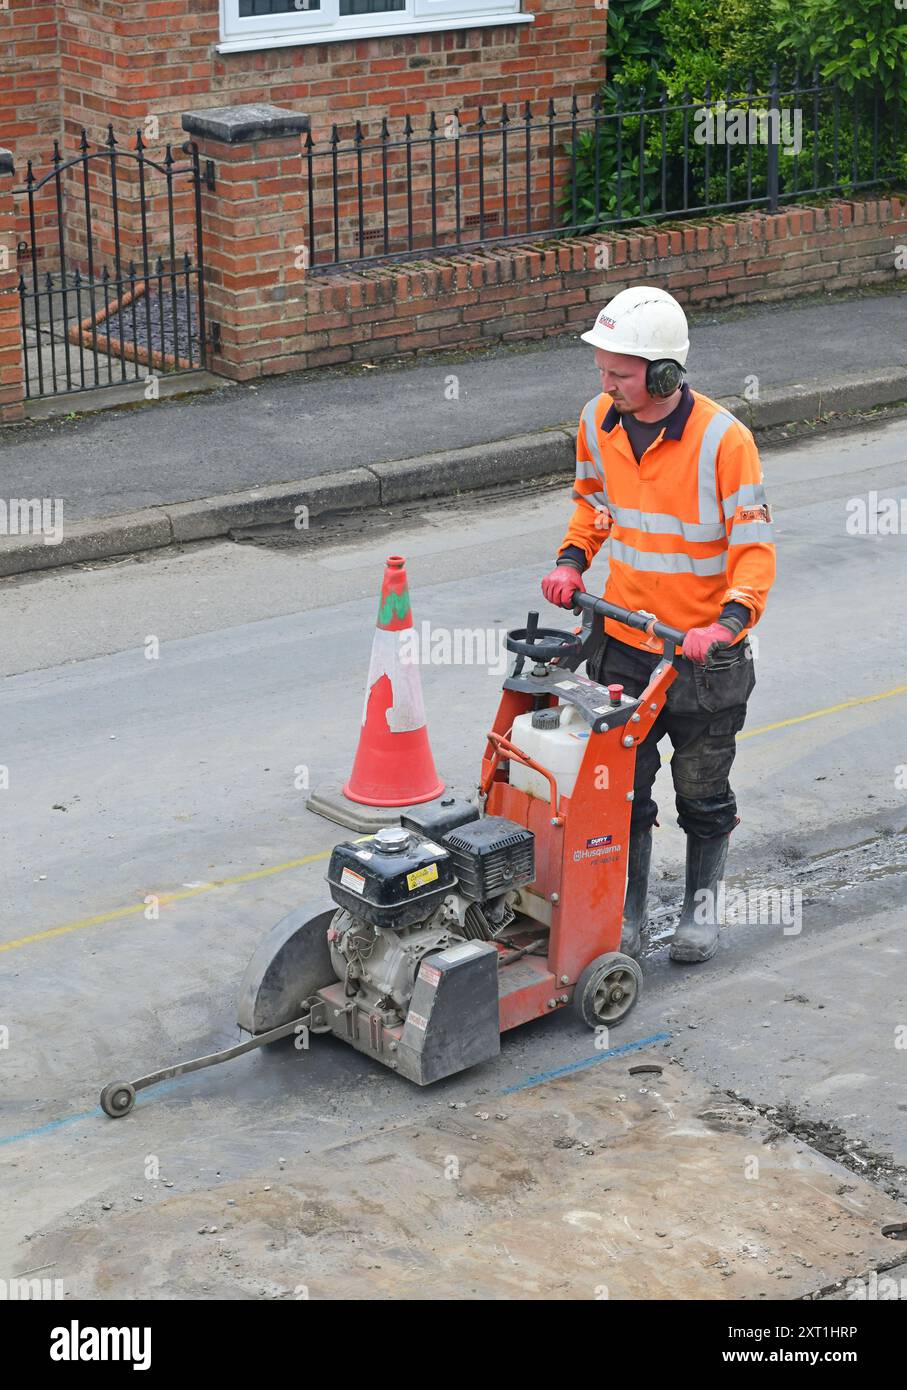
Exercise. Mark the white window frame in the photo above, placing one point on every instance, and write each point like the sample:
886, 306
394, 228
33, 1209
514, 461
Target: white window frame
327, 24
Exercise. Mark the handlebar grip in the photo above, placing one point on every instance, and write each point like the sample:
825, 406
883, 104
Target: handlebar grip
630, 618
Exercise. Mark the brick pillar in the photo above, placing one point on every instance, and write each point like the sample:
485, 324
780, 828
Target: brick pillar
253, 225
12, 364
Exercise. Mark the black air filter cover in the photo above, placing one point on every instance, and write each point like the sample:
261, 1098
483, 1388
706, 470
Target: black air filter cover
437, 818
491, 855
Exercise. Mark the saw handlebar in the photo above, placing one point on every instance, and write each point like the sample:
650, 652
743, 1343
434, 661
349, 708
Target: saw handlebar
646, 622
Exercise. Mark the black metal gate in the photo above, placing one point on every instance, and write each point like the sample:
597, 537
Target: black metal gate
121, 295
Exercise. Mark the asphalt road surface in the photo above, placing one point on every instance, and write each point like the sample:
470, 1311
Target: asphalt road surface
163, 717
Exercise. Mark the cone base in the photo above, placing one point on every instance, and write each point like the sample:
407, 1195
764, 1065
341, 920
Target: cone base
328, 800
392, 801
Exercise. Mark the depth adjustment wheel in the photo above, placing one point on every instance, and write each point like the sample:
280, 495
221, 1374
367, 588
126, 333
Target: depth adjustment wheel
607, 989
543, 644
117, 1099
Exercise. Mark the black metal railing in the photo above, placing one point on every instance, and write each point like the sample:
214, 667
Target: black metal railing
123, 300
791, 140
463, 185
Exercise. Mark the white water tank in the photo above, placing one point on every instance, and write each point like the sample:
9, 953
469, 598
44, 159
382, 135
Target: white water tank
557, 740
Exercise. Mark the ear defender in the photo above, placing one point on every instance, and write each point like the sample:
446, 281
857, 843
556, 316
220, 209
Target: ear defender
663, 377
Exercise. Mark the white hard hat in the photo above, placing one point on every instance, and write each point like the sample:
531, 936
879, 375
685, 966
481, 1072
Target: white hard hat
642, 322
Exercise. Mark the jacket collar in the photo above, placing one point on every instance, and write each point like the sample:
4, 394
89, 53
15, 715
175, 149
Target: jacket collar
674, 430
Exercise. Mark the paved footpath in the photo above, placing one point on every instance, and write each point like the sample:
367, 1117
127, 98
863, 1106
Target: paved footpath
290, 428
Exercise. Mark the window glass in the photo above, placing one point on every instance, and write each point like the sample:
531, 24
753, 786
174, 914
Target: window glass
250, 8
370, 6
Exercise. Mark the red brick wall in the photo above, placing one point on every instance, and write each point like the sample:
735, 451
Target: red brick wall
30, 97
255, 289
519, 294
275, 319
88, 62
124, 61
157, 57
29, 66
12, 369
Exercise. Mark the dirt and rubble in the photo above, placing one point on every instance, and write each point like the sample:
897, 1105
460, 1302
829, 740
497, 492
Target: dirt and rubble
607, 1183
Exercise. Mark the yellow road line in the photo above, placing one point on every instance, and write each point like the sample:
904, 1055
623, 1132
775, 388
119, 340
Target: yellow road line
829, 709
165, 898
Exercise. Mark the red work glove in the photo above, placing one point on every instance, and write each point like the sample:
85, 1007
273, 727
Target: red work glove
561, 584
700, 642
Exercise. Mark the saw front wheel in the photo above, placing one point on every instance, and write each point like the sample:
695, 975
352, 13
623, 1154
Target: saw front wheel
117, 1099
607, 989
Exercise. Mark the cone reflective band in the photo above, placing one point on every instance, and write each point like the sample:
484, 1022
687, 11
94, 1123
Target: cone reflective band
394, 764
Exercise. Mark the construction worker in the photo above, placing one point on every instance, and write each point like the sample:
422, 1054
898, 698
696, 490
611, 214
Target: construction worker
673, 480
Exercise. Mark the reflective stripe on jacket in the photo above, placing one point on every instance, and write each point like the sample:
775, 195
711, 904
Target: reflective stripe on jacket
689, 525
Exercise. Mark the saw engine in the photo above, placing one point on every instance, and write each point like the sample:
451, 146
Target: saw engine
409, 892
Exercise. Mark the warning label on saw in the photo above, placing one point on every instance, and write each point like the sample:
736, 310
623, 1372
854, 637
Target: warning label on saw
420, 876
350, 879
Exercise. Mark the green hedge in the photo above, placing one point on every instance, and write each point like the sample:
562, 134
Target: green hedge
666, 52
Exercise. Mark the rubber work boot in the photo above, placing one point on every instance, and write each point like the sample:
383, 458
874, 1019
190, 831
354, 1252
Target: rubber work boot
696, 937
639, 856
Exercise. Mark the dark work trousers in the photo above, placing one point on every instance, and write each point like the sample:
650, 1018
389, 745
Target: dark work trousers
705, 708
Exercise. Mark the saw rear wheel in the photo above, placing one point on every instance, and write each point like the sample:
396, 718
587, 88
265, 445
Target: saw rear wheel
607, 989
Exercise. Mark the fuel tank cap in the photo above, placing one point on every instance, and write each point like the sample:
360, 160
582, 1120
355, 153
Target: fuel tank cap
391, 839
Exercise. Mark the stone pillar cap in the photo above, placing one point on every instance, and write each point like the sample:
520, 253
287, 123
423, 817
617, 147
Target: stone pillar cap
233, 125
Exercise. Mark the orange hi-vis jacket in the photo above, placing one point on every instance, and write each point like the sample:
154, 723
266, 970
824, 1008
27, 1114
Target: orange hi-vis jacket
689, 525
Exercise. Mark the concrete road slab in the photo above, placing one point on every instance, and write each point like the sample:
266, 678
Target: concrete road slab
626, 1180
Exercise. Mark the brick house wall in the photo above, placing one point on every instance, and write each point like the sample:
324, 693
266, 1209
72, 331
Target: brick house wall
160, 60
87, 63
30, 102
30, 72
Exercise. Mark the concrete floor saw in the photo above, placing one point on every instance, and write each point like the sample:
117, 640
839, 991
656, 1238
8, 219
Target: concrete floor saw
472, 917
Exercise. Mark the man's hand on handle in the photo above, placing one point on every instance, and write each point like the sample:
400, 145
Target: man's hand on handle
561, 584
700, 642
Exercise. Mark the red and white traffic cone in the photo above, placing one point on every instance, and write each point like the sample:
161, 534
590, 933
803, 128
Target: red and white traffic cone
393, 766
